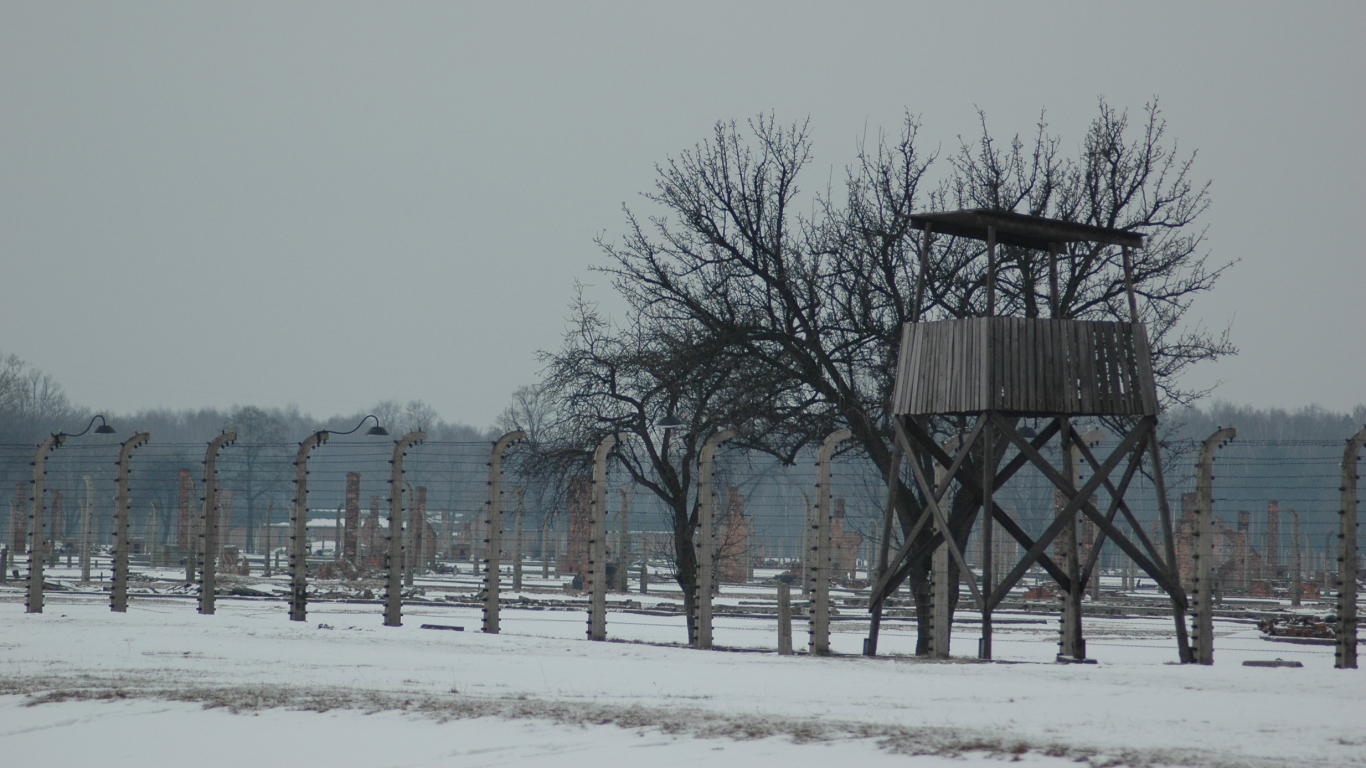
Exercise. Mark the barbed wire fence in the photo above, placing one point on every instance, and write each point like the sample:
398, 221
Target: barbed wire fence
762, 511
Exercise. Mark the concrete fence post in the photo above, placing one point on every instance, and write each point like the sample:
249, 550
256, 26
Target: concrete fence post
1346, 657
1202, 591
706, 538
186, 533
517, 543
87, 512
56, 527
1328, 562
597, 544
154, 535
943, 590
298, 529
393, 558
118, 592
547, 544
408, 505
623, 542
417, 518
1296, 562
1092, 438
208, 525
493, 543
350, 547
804, 557
18, 540
266, 537
1071, 641
558, 543
784, 620
819, 643
37, 538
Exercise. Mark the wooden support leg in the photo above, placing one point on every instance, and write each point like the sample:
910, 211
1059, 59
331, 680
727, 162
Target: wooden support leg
943, 589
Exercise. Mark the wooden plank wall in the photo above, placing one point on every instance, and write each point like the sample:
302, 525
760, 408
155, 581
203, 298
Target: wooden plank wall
1024, 365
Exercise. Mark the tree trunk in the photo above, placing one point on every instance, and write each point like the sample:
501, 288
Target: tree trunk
685, 568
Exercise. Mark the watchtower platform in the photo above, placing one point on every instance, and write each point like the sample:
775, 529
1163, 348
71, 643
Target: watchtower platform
1025, 367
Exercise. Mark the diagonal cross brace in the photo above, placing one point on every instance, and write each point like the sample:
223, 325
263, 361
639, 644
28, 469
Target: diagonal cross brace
1081, 501
879, 592
971, 483
932, 502
1116, 503
1077, 499
892, 578
1118, 494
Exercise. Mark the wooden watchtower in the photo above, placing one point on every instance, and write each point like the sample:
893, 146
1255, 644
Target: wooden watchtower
996, 371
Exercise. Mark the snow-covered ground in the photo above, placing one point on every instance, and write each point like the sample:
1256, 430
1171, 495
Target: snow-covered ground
162, 684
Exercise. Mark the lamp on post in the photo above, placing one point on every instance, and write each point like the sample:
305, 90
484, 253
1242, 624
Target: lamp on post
37, 541
669, 423
298, 523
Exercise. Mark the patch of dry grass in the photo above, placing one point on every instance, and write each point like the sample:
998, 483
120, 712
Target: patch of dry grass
681, 721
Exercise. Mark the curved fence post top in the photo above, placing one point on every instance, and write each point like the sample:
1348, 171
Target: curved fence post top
311, 442
49, 443
1218, 440
832, 440
712, 443
607, 443
404, 443
506, 440
127, 446
226, 438
1354, 444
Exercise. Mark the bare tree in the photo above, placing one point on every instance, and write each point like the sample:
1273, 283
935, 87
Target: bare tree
530, 411
621, 379
31, 402
1139, 184
262, 460
813, 305
418, 416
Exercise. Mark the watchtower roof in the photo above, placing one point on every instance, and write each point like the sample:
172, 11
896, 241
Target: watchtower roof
1019, 229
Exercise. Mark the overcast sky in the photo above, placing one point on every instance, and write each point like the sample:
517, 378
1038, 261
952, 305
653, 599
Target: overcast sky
209, 204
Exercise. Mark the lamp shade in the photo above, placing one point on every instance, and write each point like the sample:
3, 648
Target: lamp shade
670, 422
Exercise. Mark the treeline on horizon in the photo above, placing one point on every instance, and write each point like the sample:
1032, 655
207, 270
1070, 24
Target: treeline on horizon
1264, 424
34, 405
